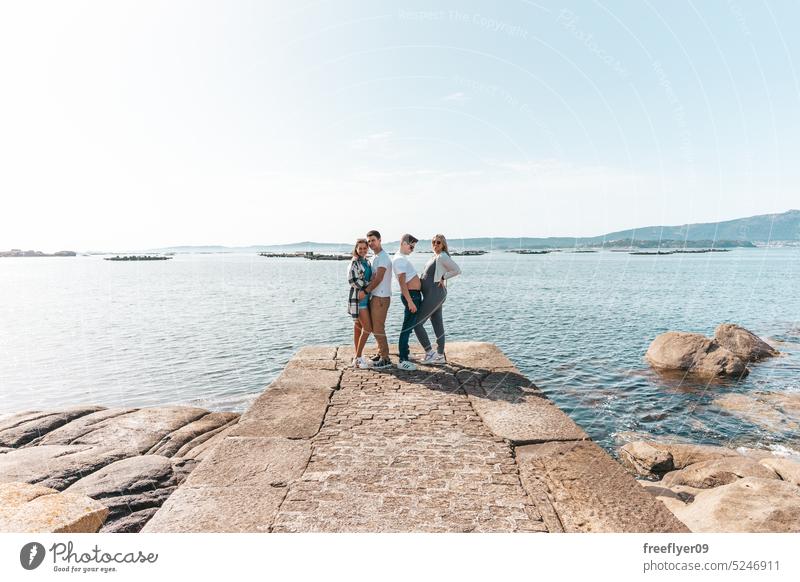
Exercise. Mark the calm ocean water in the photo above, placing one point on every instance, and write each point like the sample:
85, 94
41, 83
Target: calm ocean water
214, 330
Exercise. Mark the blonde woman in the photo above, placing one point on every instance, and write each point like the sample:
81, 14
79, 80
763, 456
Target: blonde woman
437, 271
359, 275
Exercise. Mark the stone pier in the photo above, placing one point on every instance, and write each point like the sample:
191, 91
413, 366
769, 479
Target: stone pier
472, 446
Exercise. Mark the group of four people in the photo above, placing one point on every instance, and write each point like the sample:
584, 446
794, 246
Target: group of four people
422, 295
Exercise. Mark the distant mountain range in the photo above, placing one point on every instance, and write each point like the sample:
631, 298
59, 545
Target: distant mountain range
741, 232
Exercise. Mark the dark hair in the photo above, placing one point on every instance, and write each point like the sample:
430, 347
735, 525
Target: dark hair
374, 233
410, 239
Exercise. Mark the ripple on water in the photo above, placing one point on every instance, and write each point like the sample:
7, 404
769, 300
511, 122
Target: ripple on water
214, 330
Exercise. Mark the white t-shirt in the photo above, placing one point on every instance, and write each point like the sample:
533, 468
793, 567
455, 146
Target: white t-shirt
384, 288
401, 265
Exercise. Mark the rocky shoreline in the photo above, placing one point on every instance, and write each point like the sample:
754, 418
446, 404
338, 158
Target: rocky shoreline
716, 489
91, 468
88, 469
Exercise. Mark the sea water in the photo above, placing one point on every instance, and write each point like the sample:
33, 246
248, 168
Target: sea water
212, 330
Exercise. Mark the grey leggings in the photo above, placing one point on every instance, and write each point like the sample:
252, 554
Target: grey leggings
433, 298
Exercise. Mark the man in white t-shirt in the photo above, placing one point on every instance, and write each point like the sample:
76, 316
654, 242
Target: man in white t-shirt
380, 290
410, 294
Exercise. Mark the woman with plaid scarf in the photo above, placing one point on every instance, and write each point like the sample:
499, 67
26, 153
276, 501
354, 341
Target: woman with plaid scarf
359, 275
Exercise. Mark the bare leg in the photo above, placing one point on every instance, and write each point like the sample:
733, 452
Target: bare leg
357, 333
366, 329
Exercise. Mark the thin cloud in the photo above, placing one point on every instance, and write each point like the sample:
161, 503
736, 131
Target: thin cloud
457, 97
371, 140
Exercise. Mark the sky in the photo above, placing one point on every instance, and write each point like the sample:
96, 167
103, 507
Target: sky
146, 124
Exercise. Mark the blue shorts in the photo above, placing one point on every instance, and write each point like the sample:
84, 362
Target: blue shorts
364, 303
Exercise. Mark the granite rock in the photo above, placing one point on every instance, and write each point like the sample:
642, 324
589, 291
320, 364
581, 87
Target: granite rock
717, 472
694, 353
750, 504
646, 459
787, 470
56, 466
38, 509
170, 444
653, 459
141, 429
21, 429
743, 343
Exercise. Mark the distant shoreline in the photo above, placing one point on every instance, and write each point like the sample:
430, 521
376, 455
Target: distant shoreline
21, 253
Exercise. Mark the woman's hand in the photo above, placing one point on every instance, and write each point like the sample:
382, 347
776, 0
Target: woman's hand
440, 283
412, 307
361, 295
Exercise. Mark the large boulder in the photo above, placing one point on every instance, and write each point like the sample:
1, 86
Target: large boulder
25, 427
694, 353
717, 472
684, 454
174, 441
56, 466
675, 498
141, 429
787, 470
38, 509
131, 523
645, 459
743, 343
653, 459
748, 505
129, 486
138, 430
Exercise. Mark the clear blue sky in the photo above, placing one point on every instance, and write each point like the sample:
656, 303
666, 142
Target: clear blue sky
141, 124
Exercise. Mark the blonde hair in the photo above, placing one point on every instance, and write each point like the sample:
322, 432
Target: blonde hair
355, 248
440, 237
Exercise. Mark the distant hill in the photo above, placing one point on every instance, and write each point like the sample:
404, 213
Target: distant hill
762, 228
741, 232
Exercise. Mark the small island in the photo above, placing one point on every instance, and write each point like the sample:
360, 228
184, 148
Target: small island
21, 253
681, 252
137, 258
311, 255
532, 252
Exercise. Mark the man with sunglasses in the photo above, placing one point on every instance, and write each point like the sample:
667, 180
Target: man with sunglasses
411, 295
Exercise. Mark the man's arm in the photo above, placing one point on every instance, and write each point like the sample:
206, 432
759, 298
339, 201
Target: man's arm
376, 280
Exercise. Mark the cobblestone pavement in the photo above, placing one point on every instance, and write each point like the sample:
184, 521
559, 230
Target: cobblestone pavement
473, 446
405, 451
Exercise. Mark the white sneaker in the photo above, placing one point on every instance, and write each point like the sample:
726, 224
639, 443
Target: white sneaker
406, 365
364, 363
438, 359
429, 357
